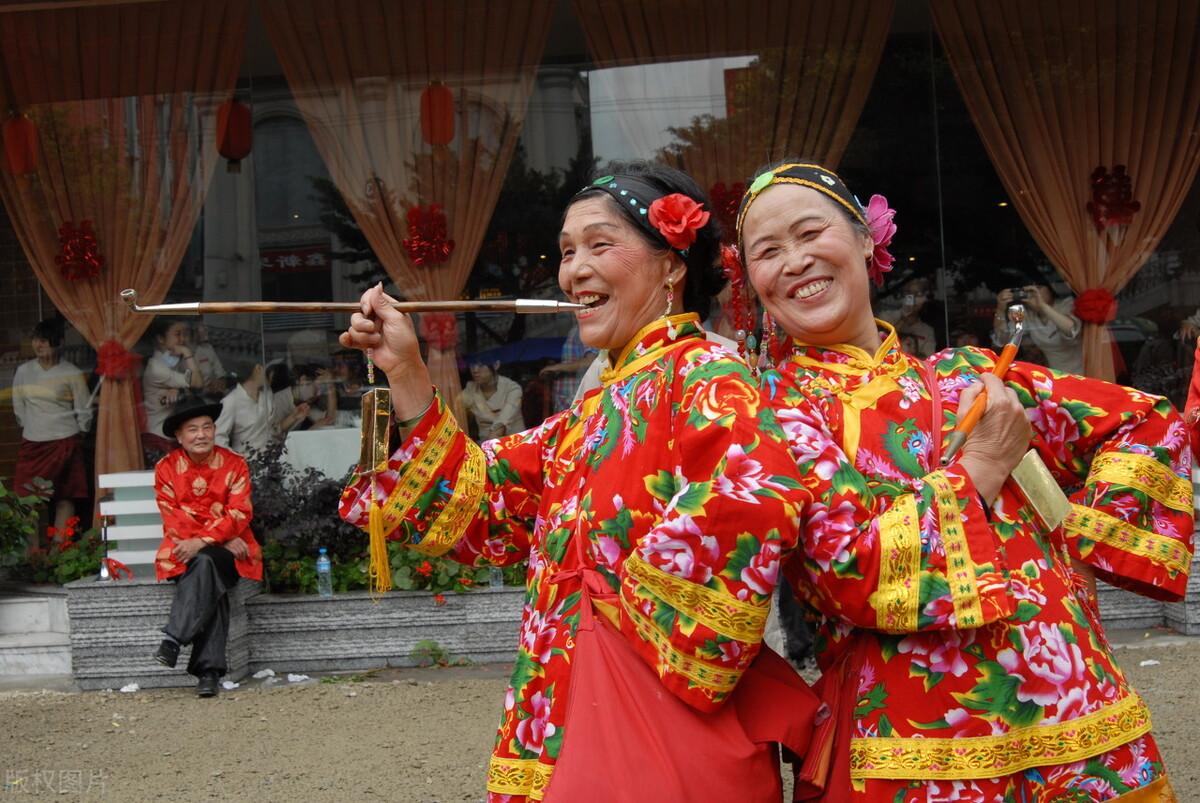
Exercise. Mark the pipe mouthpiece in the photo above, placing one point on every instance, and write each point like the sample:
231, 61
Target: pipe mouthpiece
129, 296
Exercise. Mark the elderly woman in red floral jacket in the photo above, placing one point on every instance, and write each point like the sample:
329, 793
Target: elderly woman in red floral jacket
978, 666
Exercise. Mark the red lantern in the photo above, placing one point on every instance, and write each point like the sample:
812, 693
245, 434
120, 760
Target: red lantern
234, 133
20, 145
437, 114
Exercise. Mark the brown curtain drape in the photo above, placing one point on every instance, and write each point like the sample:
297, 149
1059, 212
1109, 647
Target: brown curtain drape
1058, 88
814, 63
124, 99
358, 68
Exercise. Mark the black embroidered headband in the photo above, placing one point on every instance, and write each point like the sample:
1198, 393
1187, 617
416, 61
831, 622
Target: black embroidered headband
813, 176
670, 219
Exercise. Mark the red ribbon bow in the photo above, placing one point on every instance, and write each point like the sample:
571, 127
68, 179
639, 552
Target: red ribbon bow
1096, 306
116, 568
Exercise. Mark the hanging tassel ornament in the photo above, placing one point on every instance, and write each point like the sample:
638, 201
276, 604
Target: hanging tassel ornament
373, 458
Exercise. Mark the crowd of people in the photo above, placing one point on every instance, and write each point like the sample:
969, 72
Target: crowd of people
682, 477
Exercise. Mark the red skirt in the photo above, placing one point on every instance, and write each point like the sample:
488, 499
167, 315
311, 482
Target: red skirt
60, 462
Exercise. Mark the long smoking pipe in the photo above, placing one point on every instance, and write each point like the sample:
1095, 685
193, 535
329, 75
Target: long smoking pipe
521, 305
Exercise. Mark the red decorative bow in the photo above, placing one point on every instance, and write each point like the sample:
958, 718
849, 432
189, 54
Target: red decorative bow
1096, 306
116, 568
113, 360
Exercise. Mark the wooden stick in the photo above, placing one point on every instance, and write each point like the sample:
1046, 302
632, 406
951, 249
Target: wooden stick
520, 305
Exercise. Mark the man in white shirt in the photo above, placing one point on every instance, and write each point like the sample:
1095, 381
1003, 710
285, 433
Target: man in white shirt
53, 406
245, 423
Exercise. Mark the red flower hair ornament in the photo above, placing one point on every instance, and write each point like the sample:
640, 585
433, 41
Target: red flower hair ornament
677, 218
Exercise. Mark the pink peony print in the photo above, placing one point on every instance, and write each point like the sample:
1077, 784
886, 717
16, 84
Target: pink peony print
533, 731
1056, 426
1047, 665
743, 476
940, 651
762, 575
678, 547
955, 792
830, 532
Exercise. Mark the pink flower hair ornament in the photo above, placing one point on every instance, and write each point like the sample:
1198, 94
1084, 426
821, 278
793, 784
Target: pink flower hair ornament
880, 221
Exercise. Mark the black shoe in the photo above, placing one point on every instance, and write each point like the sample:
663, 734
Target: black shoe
209, 685
167, 653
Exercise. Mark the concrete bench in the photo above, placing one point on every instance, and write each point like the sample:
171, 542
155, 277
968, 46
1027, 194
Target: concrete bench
116, 626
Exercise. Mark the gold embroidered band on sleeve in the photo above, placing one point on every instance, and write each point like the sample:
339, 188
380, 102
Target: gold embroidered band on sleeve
1095, 525
720, 612
718, 679
518, 776
1145, 474
463, 505
962, 758
415, 475
960, 568
897, 600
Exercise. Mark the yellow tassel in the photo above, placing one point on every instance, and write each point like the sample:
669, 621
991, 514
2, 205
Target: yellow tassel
379, 570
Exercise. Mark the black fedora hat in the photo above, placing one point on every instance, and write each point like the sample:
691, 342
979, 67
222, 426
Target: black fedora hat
187, 412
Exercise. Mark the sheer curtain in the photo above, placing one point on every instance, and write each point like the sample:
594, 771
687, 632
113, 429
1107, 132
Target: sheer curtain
124, 99
1057, 89
800, 94
358, 69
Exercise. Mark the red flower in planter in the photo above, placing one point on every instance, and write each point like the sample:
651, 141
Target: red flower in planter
425, 569
439, 599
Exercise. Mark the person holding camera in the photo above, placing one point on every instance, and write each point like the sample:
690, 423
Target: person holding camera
1050, 324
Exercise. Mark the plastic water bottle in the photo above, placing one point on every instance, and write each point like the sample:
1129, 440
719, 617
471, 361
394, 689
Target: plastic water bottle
324, 575
495, 577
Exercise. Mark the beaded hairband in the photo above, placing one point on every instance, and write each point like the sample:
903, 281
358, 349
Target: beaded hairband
671, 220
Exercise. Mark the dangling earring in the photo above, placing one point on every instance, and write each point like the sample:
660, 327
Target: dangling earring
671, 332
767, 348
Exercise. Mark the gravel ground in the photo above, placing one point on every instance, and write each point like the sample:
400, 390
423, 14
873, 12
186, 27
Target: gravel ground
397, 735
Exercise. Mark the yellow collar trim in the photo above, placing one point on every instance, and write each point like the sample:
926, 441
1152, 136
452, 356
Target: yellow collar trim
861, 360
644, 332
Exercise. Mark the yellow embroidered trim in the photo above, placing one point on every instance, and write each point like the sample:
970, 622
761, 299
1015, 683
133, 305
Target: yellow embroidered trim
1102, 528
897, 601
417, 473
463, 505
960, 569
720, 612
963, 758
645, 331
718, 679
860, 360
518, 776
1143, 474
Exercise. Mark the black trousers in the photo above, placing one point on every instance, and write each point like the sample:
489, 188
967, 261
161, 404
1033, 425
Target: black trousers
200, 610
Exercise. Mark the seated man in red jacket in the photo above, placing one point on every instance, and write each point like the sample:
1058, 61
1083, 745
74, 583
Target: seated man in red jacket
203, 493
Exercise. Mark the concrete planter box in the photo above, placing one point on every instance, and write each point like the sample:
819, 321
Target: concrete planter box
116, 625
353, 631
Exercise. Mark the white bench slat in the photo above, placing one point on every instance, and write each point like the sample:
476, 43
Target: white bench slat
127, 507
126, 479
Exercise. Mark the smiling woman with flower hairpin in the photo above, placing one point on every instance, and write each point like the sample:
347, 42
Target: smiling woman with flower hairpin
652, 513
963, 627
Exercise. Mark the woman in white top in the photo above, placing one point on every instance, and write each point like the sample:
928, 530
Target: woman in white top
51, 402
494, 401
1050, 325
169, 376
